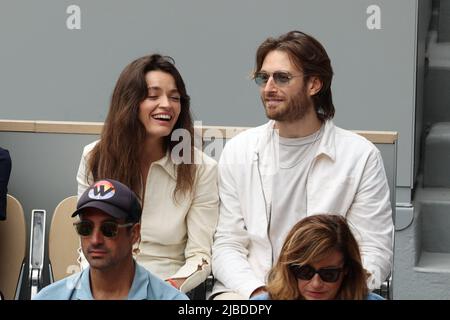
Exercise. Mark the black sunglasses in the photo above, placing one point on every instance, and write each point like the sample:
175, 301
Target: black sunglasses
306, 272
109, 229
281, 78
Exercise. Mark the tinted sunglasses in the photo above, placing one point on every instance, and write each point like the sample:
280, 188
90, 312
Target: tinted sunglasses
109, 229
280, 78
306, 272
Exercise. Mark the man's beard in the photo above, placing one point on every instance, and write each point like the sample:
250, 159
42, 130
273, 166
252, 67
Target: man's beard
295, 108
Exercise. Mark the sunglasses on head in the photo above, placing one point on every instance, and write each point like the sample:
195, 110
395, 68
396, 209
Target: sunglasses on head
109, 229
281, 78
306, 272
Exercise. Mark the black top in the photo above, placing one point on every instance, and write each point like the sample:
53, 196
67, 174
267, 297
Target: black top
5, 170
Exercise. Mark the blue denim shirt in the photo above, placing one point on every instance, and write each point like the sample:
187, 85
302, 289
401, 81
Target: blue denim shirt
145, 286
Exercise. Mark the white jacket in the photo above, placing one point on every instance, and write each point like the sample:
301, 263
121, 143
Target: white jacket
346, 177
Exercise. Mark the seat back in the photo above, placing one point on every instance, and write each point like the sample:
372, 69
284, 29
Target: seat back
12, 249
63, 241
37, 251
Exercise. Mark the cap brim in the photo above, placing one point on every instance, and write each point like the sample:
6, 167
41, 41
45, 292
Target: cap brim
103, 206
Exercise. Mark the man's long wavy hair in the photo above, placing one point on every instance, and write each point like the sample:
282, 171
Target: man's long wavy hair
310, 57
120, 149
309, 241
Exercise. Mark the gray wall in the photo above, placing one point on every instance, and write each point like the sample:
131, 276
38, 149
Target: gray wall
444, 17
52, 73
424, 16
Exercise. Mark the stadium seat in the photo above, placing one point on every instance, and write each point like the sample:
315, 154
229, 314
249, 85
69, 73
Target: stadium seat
63, 241
12, 249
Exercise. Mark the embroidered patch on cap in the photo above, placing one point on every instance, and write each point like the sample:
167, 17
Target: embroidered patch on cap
102, 190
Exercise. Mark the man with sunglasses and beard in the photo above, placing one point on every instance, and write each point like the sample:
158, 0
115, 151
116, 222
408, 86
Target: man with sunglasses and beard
109, 225
296, 165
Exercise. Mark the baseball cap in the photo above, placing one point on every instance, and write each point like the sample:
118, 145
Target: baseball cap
113, 198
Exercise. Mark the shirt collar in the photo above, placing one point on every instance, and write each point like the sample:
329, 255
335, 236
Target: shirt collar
326, 145
82, 288
138, 290
327, 142
167, 164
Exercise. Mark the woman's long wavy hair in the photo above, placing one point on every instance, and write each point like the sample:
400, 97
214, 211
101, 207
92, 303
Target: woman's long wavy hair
120, 149
309, 241
311, 58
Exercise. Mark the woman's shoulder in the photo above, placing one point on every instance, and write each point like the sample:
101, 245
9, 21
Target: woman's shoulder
262, 296
201, 158
88, 148
374, 296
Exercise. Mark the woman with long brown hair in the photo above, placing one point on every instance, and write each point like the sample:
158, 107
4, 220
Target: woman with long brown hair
319, 260
179, 197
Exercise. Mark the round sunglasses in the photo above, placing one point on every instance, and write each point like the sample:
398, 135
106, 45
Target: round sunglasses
281, 78
306, 272
109, 229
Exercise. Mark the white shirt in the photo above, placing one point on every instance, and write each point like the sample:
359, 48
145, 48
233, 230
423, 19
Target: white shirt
289, 186
346, 177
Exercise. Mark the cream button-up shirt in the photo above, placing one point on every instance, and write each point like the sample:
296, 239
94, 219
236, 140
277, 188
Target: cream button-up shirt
176, 234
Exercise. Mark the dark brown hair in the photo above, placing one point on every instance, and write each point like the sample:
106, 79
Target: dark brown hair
118, 153
311, 240
310, 57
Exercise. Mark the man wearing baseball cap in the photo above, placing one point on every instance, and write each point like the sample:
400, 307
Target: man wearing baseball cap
109, 224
